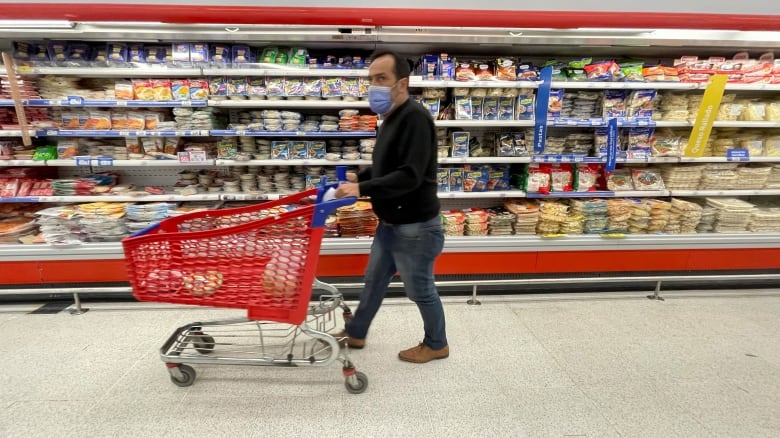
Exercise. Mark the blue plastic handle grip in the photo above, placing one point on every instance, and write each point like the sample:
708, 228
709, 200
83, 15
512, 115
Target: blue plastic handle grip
146, 230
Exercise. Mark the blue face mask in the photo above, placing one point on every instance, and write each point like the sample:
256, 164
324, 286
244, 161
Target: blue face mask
379, 99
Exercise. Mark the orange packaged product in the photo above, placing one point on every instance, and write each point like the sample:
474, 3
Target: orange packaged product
70, 120
99, 120
142, 89
123, 90
119, 120
152, 121
161, 89
655, 73
136, 121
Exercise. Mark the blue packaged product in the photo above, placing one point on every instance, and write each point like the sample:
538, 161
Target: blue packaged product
614, 104
219, 55
316, 150
181, 53
443, 178
116, 53
555, 105
78, 53
280, 150
429, 67
456, 179
58, 51
299, 150
477, 108
242, 55
23, 51
641, 104
460, 144
506, 108
525, 105
490, 108
199, 53
135, 53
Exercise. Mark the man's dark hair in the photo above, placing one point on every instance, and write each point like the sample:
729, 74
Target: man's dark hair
402, 68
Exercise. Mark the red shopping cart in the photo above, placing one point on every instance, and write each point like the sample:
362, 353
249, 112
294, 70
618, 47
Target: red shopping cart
261, 258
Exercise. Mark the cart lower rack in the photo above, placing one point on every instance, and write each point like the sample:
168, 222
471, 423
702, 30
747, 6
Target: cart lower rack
261, 258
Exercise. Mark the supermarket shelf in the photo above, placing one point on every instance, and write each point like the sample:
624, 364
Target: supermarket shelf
419, 82
113, 133
727, 160
602, 194
293, 163
752, 87
25, 163
317, 134
79, 102
478, 244
270, 70
484, 160
482, 195
590, 123
111, 72
484, 123
18, 133
108, 162
717, 193
741, 124
144, 198
666, 124
624, 85
293, 104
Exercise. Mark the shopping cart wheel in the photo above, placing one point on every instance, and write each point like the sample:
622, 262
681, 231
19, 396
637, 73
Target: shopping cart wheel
204, 344
187, 376
359, 384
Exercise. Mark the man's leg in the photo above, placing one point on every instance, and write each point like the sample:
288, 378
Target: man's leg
415, 248
379, 272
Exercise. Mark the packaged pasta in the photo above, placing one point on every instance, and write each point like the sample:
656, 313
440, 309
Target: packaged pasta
647, 179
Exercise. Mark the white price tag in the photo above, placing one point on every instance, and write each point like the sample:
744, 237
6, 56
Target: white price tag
198, 156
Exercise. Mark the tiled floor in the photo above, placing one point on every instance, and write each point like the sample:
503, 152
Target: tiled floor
602, 365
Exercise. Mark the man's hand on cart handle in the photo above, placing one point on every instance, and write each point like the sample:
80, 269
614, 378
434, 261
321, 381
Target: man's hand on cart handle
348, 189
352, 177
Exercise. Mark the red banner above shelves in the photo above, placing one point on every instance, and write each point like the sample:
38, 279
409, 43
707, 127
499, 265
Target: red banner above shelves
350, 16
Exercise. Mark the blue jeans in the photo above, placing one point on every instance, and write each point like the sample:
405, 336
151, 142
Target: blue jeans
410, 249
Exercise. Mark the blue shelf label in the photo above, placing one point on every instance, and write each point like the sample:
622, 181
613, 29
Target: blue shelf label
542, 107
612, 145
738, 155
84, 161
75, 101
105, 161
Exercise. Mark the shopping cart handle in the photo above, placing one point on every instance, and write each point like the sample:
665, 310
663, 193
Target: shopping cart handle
146, 230
324, 209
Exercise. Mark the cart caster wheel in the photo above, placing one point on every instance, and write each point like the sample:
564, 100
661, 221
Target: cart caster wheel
360, 385
204, 344
187, 376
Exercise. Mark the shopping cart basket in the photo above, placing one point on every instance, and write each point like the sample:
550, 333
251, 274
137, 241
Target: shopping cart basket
261, 258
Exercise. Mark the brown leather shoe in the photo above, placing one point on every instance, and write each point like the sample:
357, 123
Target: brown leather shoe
423, 353
344, 339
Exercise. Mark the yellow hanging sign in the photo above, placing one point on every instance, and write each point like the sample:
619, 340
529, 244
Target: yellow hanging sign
708, 111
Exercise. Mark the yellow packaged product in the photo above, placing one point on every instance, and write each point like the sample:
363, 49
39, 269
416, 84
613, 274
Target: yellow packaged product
754, 112
161, 89
99, 120
773, 112
142, 90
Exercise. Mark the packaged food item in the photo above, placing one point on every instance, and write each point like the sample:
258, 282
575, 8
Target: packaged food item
506, 69
465, 72
456, 179
460, 144
162, 90
587, 177
237, 86
142, 89
614, 104
433, 106
506, 108
755, 111
538, 178
474, 181
647, 179
489, 108
525, 105
293, 87
242, 55
119, 120
116, 53
99, 120
78, 54
562, 177
463, 108
274, 87
71, 120
298, 150
526, 72
280, 150
555, 104
667, 144
219, 55
151, 121
154, 54
443, 179
498, 178
57, 51
181, 54
619, 180
67, 148
632, 71
123, 90
642, 103
218, 86
180, 88
136, 121
199, 89
603, 71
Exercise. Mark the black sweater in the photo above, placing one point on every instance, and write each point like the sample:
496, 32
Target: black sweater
402, 180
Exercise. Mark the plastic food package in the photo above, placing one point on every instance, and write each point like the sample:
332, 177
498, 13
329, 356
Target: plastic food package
647, 179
